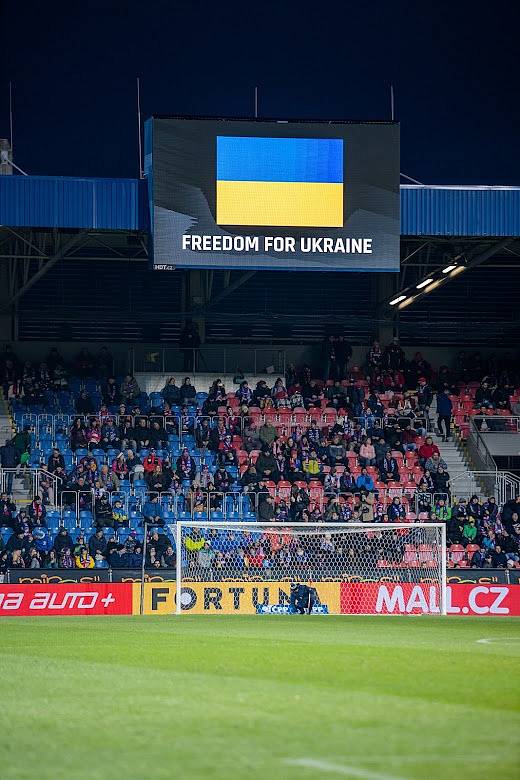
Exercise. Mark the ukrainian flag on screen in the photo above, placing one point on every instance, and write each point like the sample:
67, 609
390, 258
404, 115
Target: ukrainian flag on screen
289, 182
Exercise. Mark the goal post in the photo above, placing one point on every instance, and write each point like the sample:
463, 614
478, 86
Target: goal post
351, 568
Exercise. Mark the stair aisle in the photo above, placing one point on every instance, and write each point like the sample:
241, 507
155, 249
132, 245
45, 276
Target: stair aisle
464, 484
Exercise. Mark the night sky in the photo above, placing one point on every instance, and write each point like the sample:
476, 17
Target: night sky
455, 70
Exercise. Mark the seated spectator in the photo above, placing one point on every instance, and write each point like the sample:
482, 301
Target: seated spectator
130, 389
141, 434
134, 465
223, 480
266, 509
168, 558
367, 453
474, 509
260, 393
388, 469
266, 465
119, 515
396, 511
110, 392
7, 511
434, 463
442, 511
152, 511
187, 391
158, 436
157, 480
97, 543
65, 559
62, 541
311, 466
427, 450
55, 461
93, 434
244, 393
171, 393
109, 435
441, 481
499, 558
267, 433
127, 433
279, 393
186, 467
37, 511
365, 481
469, 531
103, 510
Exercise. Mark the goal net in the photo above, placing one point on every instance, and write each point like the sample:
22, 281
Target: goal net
248, 568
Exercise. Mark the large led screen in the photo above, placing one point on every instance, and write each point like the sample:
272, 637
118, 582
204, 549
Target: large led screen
274, 195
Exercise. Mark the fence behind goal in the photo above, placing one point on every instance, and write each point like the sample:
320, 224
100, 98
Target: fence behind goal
344, 564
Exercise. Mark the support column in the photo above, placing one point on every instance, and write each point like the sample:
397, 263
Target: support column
7, 312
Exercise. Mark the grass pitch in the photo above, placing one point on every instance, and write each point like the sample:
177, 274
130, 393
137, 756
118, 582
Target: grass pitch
259, 697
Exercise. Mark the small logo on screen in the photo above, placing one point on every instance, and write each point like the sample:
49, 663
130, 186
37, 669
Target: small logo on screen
279, 182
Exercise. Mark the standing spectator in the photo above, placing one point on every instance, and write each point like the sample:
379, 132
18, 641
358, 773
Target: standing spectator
424, 395
374, 360
444, 412
22, 443
189, 342
8, 460
111, 394
84, 404
343, 355
394, 356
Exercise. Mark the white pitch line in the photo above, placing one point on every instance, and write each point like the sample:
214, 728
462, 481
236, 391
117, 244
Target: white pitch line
509, 640
339, 769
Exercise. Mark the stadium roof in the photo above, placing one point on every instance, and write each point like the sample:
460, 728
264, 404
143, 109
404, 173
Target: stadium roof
122, 204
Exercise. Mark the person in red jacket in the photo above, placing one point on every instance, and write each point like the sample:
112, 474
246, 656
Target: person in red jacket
151, 461
428, 449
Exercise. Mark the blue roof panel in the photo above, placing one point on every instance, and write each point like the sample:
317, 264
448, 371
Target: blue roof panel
68, 202
460, 211
122, 204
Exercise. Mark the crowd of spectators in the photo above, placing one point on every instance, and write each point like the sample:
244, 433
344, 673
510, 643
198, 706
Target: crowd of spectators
353, 446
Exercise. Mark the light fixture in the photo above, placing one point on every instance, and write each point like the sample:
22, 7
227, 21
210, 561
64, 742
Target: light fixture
397, 300
423, 284
458, 270
407, 302
433, 286
449, 268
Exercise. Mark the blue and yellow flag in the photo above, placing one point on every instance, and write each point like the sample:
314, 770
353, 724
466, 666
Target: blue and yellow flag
289, 182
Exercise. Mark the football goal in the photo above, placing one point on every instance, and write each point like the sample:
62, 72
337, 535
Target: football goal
248, 568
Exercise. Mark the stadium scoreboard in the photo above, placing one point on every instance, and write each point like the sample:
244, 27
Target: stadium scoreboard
273, 195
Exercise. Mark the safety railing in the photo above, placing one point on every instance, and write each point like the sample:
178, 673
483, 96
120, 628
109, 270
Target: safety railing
503, 485
231, 359
495, 423
35, 482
